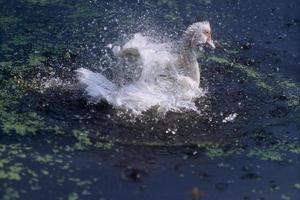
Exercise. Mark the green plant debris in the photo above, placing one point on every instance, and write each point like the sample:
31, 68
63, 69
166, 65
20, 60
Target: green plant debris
19, 40
10, 194
259, 78
6, 48
8, 20
44, 158
104, 145
217, 150
73, 196
287, 84
285, 197
35, 60
44, 172
292, 147
297, 185
80, 182
219, 60
6, 63
56, 130
251, 73
12, 172
83, 140
266, 154
293, 100
20, 123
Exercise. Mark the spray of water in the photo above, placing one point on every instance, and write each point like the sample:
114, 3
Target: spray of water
156, 81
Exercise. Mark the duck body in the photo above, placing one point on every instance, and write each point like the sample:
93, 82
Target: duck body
168, 79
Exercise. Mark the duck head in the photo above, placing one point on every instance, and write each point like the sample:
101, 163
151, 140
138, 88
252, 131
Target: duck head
199, 35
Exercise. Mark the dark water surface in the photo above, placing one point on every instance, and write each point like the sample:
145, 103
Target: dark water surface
54, 144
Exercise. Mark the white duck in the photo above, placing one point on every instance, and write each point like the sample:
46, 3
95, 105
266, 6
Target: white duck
168, 80
194, 39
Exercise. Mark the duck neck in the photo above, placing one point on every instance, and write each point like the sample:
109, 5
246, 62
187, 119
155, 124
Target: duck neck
188, 60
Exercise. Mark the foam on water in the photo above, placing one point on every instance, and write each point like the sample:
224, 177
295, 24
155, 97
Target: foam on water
158, 83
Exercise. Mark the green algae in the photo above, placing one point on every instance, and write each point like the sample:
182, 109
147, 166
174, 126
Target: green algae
262, 81
12, 90
8, 20
19, 40
12, 122
285, 197
259, 78
104, 145
10, 194
297, 185
220, 60
6, 48
6, 63
83, 140
213, 150
36, 60
21, 123
73, 196
287, 84
12, 172
266, 154
44, 159
293, 100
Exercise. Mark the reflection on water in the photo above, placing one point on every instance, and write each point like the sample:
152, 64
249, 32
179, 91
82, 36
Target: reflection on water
55, 143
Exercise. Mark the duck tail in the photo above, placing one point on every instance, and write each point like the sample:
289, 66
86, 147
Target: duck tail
96, 85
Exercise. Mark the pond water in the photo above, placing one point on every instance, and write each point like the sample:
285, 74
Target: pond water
56, 144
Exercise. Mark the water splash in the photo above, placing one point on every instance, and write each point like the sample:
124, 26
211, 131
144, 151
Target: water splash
154, 79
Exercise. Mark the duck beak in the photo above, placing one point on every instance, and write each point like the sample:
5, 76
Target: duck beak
210, 43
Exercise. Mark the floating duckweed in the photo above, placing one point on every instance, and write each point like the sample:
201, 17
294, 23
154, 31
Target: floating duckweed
251, 73
80, 182
86, 192
3, 162
12, 172
10, 194
22, 124
266, 154
285, 197
56, 130
7, 20
44, 159
19, 40
297, 185
215, 150
293, 100
73, 196
219, 60
104, 145
45, 172
293, 147
287, 84
35, 60
83, 140
259, 78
